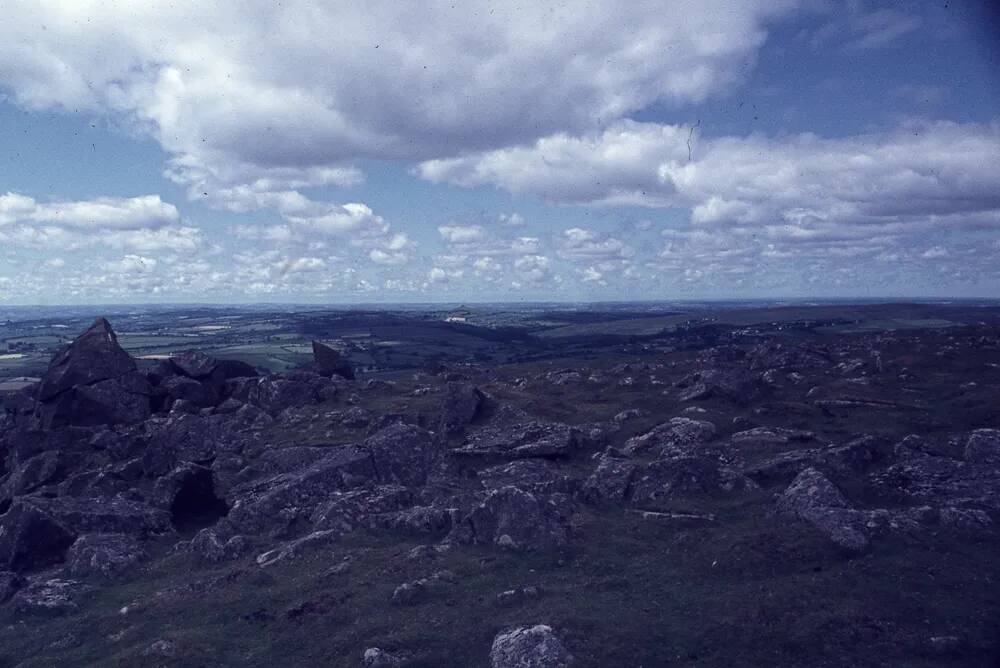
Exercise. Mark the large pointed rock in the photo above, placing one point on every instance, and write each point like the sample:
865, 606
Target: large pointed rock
93, 381
94, 356
330, 362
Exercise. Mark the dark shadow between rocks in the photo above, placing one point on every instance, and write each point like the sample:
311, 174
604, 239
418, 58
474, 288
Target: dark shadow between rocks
196, 505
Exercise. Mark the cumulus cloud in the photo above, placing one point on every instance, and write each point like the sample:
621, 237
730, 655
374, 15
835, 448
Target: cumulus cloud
615, 166
461, 234
379, 256
138, 224
792, 187
937, 174
511, 220
533, 268
580, 244
102, 213
279, 93
132, 264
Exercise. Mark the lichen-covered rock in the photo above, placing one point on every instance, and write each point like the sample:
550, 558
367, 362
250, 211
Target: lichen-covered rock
678, 476
460, 404
418, 591
610, 481
104, 554
516, 520
678, 436
212, 548
529, 647
49, 597
734, 384
402, 453
274, 503
532, 475
931, 478
813, 498
512, 434
373, 657
983, 447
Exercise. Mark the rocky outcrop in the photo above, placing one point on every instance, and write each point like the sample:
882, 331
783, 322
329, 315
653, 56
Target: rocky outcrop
732, 384
511, 434
460, 405
94, 356
529, 647
684, 476
104, 554
813, 498
273, 504
516, 520
329, 362
680, 436
93, 381
31, 538
51, 597
537, 476
610, 481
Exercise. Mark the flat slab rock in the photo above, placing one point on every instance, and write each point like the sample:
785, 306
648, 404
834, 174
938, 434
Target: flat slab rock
512, 434
678, 436
50, 597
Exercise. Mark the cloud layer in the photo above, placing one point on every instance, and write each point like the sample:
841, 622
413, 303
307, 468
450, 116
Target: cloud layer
269, 115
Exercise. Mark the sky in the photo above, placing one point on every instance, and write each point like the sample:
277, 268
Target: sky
335, 152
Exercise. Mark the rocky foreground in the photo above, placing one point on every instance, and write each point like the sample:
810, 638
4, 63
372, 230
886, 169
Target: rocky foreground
778, 502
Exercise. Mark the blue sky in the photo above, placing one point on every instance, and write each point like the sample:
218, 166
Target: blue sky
570, 151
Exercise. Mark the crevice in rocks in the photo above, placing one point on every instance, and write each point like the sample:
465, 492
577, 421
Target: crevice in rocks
5, 506
196, 505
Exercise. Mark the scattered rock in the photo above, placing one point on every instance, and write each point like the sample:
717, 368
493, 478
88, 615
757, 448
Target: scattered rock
813, 498
517, 596
104, 554
529, 647
516, 520
610, 481
679, 436
373, 657
49, 597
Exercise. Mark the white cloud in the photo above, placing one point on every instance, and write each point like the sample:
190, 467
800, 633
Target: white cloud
615, 166
461, 234
343, 81
132, 264
102, 213
800, 187
138, 224
939, 174
533, 268
379, 256
511, 220
177, 239
580, 244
